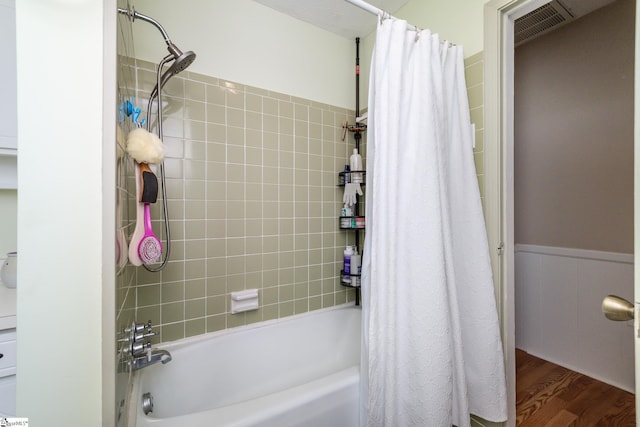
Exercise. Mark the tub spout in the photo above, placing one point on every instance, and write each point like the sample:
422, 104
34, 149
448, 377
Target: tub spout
151, 358
165, 357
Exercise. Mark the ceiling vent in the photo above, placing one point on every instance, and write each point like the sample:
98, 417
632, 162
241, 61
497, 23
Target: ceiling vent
541, 21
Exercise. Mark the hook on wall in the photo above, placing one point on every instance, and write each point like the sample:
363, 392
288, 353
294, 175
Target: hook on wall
132, 111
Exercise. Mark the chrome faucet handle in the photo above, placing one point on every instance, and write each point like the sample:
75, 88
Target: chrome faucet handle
151, 334
137, 327
139, 348
139, 336
148, 327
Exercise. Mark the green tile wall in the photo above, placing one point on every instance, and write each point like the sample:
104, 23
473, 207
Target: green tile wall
253, 203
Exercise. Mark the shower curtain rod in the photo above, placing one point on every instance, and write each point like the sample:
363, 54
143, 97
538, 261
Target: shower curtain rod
376, 11
369, 7
386, 15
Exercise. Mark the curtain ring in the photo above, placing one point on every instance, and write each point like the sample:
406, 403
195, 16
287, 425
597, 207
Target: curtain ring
384, 15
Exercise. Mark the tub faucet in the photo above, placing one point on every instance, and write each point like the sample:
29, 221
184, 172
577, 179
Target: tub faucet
152, 357
137, 351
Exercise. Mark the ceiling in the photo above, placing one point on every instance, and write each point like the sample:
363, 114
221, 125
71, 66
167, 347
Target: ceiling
337, 16
580, 8
347, 20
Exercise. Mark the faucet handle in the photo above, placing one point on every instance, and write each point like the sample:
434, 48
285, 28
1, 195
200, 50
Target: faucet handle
138, 348
140, 336
137, 327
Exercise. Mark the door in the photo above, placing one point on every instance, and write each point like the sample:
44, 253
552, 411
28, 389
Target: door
498, 89
637, 205
616, 308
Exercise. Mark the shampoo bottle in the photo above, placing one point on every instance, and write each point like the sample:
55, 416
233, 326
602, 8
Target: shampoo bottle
348, 252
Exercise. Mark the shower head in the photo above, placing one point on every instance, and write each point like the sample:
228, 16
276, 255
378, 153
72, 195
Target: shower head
182, 60
180, 63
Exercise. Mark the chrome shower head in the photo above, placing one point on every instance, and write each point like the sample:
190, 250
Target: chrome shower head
182, 61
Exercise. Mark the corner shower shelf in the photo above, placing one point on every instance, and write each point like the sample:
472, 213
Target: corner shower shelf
356, 177
355, 223
350, 280
360, 127
352, 222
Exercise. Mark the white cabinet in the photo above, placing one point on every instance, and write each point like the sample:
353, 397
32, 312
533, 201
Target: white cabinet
8, 94
7, 372
8, 396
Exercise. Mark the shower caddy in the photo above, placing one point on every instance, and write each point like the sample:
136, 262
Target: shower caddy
356, 222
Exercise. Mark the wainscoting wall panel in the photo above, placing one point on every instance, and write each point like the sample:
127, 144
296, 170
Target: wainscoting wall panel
559, 293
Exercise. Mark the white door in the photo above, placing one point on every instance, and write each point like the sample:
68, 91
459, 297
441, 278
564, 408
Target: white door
637, 205
616, 308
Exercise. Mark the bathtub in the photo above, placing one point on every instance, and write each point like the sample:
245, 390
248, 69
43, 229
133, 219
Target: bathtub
302, 370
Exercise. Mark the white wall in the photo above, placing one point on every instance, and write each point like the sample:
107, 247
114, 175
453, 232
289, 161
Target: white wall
66, 115
8, 113
8, 129
461, 22
248, 43
568, 286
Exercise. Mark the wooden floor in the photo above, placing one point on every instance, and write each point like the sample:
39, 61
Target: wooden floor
549, 395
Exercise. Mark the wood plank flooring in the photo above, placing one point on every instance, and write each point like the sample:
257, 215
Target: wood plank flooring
549, 395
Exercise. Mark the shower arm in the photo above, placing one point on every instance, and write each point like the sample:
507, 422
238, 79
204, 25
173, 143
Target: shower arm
133, 15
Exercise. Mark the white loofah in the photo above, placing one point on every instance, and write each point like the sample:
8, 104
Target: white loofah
145, 147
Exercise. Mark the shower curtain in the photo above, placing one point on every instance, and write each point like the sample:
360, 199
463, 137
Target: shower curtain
432, 352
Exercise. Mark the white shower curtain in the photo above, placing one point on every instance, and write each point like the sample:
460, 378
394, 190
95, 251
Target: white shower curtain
432, 352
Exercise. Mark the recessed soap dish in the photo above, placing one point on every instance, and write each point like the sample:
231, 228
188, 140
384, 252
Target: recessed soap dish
246, 300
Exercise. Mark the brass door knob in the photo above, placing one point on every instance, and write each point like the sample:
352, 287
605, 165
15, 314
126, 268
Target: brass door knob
616, 308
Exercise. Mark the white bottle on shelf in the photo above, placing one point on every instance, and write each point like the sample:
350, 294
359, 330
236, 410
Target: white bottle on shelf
355, 266
355, 164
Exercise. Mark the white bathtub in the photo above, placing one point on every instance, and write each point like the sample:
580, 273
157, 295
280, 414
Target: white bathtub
297, 371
